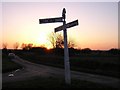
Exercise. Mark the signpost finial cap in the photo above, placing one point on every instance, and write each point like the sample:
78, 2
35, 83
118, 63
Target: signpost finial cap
63, 13
64, 10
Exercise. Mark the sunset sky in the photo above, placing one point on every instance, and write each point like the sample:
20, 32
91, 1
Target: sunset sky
97, 29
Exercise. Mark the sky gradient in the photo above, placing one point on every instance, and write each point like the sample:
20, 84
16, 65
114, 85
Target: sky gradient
97, 29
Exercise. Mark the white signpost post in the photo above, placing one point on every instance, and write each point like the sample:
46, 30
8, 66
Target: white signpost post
63, 27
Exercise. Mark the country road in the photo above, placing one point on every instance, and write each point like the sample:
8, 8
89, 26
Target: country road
32, 70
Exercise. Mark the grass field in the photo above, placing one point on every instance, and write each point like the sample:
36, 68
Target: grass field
8, 65
104, 65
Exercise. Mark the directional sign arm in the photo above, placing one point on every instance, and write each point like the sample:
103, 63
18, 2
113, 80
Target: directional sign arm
68, 25
58, 28
50, 20
71, 24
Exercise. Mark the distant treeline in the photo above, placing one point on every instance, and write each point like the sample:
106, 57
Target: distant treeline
60, 51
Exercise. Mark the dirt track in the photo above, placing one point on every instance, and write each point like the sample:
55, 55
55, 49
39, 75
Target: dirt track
31, 70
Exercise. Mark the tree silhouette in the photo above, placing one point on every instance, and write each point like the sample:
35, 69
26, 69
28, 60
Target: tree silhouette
26, 46
4, 50
57, 41
23, 46
5, 45
71, 44
52, 39
16, 45
86, 50
114, 51
29, 46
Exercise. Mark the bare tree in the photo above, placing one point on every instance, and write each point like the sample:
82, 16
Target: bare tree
52, 39
23, 46
16, 45
57, 41
5, 45
71, 43
26, 46
29, 46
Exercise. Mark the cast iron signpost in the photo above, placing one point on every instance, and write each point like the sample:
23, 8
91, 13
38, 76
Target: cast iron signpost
64, 28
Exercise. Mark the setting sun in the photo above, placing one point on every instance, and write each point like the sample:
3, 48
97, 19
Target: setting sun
42, 38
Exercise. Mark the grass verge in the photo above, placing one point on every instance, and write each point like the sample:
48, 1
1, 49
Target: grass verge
8, 65
52, 82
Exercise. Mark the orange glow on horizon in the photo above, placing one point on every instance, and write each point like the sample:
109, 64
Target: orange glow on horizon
97, 29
